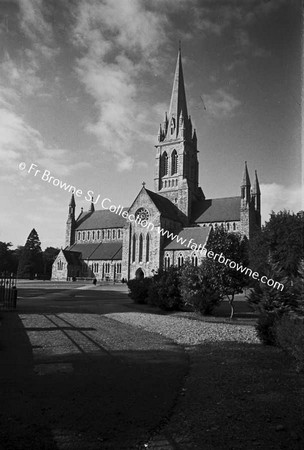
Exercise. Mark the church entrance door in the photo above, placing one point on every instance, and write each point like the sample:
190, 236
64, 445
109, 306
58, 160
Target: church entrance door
139, 274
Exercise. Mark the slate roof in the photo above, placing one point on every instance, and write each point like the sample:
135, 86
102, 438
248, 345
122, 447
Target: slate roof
104, 250
217, 210
101, 219
72, 257
198, 234
165, 207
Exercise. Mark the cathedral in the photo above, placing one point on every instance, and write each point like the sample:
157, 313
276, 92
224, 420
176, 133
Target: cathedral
177, 215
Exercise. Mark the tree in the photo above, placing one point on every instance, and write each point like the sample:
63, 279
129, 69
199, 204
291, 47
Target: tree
272, 303
227, 281
49, 256
6, 258
281, 241
198, 289
31, 260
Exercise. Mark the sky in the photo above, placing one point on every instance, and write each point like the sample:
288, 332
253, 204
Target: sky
85, 84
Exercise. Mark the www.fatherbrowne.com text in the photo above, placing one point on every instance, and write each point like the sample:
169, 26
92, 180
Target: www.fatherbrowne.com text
106, 203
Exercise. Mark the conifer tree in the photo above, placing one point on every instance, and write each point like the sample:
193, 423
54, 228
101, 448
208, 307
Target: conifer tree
31, 260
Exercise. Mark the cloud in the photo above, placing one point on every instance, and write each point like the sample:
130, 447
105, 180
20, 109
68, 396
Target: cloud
119, 41
20, 142
221, 104
32, 21
276, 197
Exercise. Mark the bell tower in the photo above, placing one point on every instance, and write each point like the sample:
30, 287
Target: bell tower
176, 164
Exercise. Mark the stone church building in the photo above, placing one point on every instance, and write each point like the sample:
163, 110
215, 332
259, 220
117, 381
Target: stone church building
108, 246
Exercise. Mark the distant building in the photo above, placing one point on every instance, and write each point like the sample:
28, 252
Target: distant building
109, 246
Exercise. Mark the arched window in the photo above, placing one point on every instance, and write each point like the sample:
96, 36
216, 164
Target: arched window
102, 234
194, 260
174, 162
234, 226
148, 248
140, 250
228, 226
79, 235
164, 164
167, 262
93, 233
109, 234
83, 235
88, 235
180, 260
118, 234
169, 183
172, 125
118, 267
98, 234
133, 248
114, 234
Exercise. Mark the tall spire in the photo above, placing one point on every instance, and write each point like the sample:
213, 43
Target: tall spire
256, 186
246, 186
246, 179
178, 102
72, 201
92, 208
256, 194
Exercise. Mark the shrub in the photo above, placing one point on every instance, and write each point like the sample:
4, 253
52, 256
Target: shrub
273, 303
289, 333
197, 289
266, 327
138, 290
164, 290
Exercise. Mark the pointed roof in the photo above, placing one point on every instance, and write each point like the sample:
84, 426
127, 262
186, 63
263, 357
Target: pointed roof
92, 208
72, 201
256, 186
178, 102
164, 206
246, 179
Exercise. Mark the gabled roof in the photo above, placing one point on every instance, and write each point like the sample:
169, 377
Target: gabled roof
199, 235
104, 250
165, 207
217, 210
101, 219
72, 257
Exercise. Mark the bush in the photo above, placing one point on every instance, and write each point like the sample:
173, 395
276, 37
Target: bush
266, 327
138, 290
273, 303
197, 290
164, 290
289, 333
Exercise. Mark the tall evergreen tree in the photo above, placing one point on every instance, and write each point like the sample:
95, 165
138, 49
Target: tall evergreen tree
31, 260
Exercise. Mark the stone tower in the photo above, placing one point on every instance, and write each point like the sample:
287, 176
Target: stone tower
70, 224
176, 164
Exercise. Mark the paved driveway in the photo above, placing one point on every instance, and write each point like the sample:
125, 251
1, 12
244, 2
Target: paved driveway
72, 378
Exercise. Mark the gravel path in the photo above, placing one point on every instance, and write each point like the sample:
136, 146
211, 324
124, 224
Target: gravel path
186, 331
